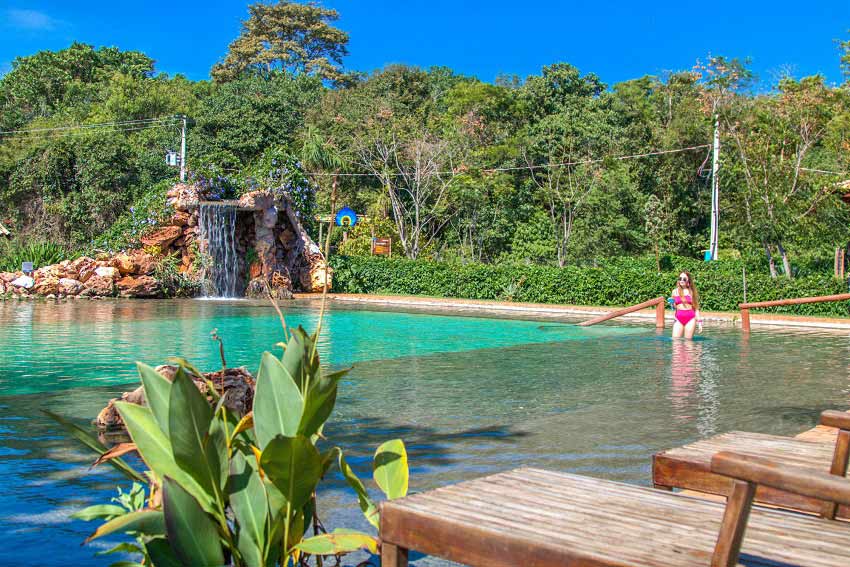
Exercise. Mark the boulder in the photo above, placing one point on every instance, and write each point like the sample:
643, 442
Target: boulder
99, 286
9, 277
70, 286
163, 237
183, 197
139, 286
180, 218
82, 268
313, 280
52, 271
109, 272
257, 200
124, 263
46, 286
23, 282
237, 383
2, 287
145, 263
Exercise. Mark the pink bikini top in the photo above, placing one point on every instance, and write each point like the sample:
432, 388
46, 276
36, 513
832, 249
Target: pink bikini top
679, 300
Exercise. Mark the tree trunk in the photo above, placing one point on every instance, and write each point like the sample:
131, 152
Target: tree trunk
770, 261
786, 263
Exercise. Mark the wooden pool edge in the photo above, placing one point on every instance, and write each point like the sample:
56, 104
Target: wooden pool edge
546, 309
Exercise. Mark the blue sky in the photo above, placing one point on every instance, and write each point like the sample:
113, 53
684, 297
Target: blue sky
618, 40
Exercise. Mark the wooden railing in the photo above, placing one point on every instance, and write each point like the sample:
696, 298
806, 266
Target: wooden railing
658, 302
745, 307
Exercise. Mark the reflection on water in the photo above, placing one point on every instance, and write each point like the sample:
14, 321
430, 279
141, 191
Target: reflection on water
470, 396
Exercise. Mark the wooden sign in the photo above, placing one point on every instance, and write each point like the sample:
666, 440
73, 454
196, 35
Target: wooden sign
382, 247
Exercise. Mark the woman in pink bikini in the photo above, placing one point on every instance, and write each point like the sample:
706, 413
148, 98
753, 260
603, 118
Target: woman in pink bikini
686, 302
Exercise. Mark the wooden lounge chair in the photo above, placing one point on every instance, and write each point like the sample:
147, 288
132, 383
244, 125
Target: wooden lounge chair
535, 518
689, 467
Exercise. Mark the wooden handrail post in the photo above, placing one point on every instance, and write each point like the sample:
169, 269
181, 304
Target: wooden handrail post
745, 307
649, 303
659, 313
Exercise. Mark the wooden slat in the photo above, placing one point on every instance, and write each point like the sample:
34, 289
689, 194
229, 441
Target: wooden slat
689, 467
538, 518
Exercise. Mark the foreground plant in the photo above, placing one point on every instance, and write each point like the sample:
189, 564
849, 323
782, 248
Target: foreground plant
225, 489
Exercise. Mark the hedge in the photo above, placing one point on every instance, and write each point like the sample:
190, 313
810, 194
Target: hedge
617, 284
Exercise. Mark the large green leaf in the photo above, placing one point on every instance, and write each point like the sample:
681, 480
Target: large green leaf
190, 531
319, 401
148, 522
157, 394
390, 469
294, 466
121, 548
86, 437
99, 511
295, 355
277, 401
338, 542
155, 450
161, 553
189, 423
250, 507
366, 505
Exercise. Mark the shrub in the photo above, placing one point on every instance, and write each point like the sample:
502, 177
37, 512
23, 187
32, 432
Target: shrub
147, 212
14, 253
616, 282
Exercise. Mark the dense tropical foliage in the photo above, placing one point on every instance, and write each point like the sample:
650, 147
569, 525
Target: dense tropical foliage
555, 168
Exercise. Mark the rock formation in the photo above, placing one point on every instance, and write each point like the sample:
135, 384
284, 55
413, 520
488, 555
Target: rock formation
237, 385
287, 259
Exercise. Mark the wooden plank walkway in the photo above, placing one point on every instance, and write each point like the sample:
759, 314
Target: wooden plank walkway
535, 518
689, 467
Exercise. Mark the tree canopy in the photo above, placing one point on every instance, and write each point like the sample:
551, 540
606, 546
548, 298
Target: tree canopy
555, 168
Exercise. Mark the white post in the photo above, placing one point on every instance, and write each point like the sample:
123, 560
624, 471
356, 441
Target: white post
183, 152
715, 190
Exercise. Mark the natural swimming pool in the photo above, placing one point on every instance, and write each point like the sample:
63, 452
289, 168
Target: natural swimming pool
469, 395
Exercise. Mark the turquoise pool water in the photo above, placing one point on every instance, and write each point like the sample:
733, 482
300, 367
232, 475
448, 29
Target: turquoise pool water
469, 395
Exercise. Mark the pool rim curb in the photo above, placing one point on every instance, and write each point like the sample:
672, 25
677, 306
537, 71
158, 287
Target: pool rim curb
502, 307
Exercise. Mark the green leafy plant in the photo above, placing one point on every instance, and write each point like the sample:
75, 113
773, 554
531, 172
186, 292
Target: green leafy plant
13, 254
175, 283
613, 282
228, 489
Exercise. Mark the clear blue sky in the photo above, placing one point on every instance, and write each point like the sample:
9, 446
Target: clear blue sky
616, 39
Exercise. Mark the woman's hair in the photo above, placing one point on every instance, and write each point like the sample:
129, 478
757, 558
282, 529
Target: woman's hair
692, 287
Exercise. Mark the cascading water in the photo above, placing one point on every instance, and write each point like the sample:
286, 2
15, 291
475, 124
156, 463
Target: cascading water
217, 221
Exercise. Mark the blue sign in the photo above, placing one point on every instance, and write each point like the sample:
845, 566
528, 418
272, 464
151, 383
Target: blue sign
346, 217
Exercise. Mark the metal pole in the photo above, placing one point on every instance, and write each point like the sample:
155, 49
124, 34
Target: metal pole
715, 190
183, 151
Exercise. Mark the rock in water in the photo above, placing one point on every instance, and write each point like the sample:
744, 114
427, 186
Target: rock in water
237, 384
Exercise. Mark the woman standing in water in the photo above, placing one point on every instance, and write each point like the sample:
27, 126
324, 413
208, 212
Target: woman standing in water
686, 303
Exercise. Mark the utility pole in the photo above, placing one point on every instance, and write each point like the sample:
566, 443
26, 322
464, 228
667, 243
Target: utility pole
715, 190
183, 151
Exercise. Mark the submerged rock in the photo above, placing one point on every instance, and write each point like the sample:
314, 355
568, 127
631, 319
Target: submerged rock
237, 385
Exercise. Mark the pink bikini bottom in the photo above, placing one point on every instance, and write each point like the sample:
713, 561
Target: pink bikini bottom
685, 316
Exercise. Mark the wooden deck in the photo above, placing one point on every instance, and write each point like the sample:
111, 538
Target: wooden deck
535, 518
689, 467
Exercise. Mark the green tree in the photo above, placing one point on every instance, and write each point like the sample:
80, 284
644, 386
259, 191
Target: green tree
297, 38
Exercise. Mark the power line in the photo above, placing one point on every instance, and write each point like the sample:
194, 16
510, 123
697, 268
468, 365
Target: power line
115, 124
533, 167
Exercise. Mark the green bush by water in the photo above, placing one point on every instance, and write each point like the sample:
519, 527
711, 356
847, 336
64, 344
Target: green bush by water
612, 283
13, 254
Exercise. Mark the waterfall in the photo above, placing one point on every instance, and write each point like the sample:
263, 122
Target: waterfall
217, 221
